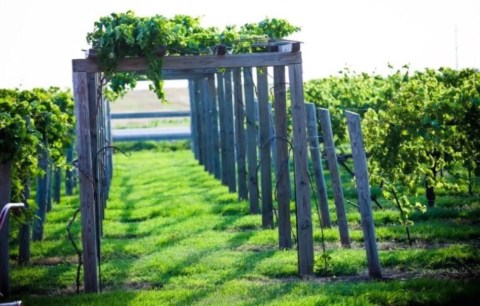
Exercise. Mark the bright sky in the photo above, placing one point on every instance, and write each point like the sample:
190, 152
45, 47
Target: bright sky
39, 38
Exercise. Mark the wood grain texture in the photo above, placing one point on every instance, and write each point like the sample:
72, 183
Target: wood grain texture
240, 145
87, 202
230, 132
223, 128
327, 133
300, 155
252, 132
363, 191
212, 94
312, 132
265, 158
188, 64
282, 170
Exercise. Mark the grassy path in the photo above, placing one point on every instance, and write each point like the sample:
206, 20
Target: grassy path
174, 236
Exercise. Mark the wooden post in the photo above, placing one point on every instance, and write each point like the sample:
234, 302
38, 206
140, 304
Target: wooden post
193, 118
223, 128
317, 164
363, 191
109, 152
230, 133
87, 201
57, 182
217, 171
273, 142
5, 190
41, 196
302, 196
251, 140
324, 116
69, 171
240, 134
93, 106
49, 185
24, 233
206, 125
283, 171
200, 127
265, 159
103, 156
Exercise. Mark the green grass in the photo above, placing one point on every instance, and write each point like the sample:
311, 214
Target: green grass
173, 235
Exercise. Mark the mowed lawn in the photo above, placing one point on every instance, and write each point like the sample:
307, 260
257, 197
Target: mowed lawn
173, 235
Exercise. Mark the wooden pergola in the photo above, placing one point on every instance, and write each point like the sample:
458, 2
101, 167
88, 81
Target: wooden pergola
210, 77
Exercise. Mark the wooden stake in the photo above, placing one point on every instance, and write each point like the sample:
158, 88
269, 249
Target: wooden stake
363, 191
324, 116
89, 238
251, 140
240, 134
265, 159
282, 169
302, 197
317, 164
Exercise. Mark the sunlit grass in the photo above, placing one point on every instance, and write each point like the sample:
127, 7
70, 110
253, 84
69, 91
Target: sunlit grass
173, 235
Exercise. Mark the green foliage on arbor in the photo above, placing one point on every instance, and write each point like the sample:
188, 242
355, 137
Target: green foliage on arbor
121, 35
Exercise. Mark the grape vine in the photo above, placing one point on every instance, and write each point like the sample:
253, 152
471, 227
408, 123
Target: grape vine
121, 35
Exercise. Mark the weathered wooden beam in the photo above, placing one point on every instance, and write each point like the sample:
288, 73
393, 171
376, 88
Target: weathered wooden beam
330, 152
302, 198
240, 134
223, 129
283, 170
230, 133
193, 118
212, 94
93, 106
138, 115
189, 64
363, 191
87, 202
252, 185
206, 125
265, 143
200, 126
312, 131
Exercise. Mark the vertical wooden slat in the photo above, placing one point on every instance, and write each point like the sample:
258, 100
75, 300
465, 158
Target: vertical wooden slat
206, 124
41, 195
193, 118
282, 169
5, 191
200, 126
215, 129
363, 191
230, 133
266, 163
24, 233
89, 237
324, 117
304, 218
69, 171
109, 152
272, 137
223, 129
312, 132
252, 133
93, 105
240, 134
